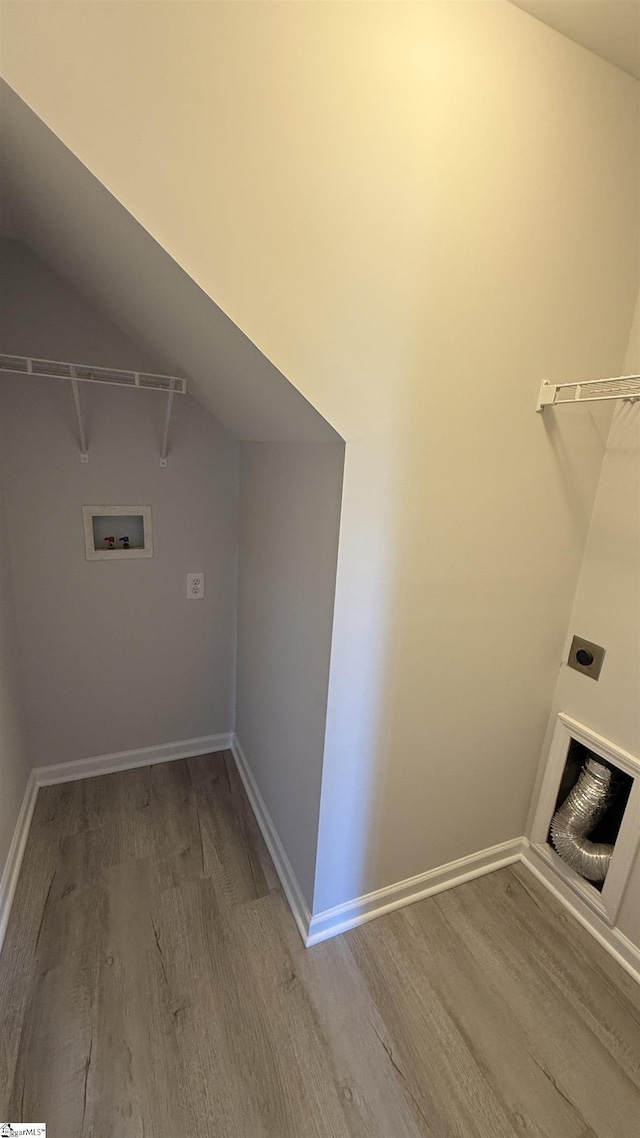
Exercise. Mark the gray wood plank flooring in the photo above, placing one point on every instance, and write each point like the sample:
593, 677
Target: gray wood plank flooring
154, 985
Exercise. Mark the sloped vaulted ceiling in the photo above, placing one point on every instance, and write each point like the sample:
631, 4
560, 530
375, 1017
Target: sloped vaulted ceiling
64, 213
608, 28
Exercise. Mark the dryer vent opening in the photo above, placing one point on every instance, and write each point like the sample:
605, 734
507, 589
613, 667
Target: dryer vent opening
584, 828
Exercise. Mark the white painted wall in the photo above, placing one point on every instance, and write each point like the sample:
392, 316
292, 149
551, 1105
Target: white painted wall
607, 606
415, 212
288, 537
114, 655
14, 766
76, 225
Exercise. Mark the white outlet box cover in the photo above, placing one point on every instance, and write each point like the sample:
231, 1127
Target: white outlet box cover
195, 586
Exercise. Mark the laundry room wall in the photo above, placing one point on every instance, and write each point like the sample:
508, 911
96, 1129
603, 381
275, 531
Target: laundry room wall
14, 765
607, 607
289, 520
115, 657
416, 212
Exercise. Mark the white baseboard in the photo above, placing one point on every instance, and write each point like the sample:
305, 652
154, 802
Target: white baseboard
347, 916
331, 922
89, 768
11, 870
127, 760
353, 913
616, 943
283, 866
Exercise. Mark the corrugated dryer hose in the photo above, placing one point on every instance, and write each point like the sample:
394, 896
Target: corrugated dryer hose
579, 814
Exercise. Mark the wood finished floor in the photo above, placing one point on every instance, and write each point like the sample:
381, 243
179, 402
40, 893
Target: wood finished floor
154, 985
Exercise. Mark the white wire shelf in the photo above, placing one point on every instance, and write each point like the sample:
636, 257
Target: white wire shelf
625, 387
55, 369
116, 377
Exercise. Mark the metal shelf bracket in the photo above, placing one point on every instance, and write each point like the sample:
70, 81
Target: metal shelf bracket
167, 424
84, 450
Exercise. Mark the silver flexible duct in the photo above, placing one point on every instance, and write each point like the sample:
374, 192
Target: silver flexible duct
579, 814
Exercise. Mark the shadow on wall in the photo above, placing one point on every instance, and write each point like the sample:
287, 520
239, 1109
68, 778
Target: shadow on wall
72, 222
150, 315
289, 519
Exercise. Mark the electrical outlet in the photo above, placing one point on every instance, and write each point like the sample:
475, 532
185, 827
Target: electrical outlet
586, 657
195, 586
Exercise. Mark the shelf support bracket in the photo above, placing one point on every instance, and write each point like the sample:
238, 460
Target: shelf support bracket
547, 394
84, 451
167, 424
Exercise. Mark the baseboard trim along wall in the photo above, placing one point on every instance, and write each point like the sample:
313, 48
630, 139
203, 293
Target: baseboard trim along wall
331, 922
372, 905
616, 943
283, 866
88, 768
11, 871
127, 760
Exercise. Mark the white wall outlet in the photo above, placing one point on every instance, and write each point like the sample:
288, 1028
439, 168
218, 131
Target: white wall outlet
195, 586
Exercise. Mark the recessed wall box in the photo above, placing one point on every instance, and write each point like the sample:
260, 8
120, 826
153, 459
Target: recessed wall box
572, 745
586, 657
115, 533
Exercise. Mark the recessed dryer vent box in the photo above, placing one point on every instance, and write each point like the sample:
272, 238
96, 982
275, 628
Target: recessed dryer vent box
114, 533
608, 828
571, 746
